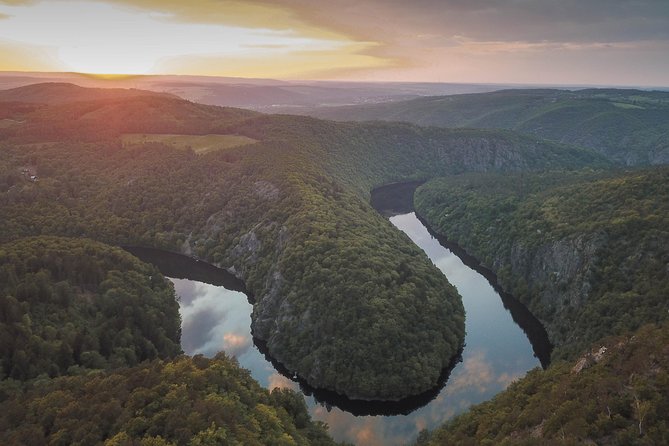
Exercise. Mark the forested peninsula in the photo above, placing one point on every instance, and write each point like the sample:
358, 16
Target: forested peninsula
342, 298
89, 354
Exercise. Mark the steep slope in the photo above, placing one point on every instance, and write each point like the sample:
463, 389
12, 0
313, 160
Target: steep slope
77, 307
186, 401
628, 126
614, 394
68, 305
341, 297
586, 252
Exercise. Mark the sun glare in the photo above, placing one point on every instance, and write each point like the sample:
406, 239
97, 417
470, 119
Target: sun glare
99, 38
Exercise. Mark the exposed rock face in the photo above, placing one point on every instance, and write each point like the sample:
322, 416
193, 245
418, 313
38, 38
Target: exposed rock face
588, 360
186, 247
266, 190
272, 308
659, 156
558, 271
265, 320
482, 154
248, 247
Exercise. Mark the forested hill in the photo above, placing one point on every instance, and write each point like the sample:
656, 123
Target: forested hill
186, 401
615, 394
89, 354
343, 299
587, 252
628, 126
67, 305
61, 93
93, 117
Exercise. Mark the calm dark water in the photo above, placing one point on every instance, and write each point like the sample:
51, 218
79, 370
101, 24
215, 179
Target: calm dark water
503, 340
497, 349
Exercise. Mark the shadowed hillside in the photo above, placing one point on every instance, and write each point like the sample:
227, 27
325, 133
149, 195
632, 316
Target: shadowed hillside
288, 214
628, 126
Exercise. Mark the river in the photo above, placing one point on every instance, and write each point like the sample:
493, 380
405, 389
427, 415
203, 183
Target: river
216, 316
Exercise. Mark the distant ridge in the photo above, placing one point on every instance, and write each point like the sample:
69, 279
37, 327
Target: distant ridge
54, 110
54, 93
627, 126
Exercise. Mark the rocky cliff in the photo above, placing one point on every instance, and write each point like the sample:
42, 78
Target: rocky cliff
586, 252
552, 278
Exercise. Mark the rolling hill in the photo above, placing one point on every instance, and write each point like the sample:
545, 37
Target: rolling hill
341, 297
288, 214
62, 92
630, 127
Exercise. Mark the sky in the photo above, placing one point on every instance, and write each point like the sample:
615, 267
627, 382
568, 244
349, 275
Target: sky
597, 42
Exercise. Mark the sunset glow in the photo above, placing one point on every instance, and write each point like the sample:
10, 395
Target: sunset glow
101, 38
596, 42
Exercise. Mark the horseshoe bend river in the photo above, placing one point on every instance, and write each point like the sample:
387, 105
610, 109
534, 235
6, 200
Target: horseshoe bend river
502, 343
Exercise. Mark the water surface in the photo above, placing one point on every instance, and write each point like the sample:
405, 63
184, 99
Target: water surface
497, 350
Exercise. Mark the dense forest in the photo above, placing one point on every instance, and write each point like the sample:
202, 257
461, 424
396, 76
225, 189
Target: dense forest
187, 401
587, 252
287, 234
68, 305
288, 214
615, 394
88, 337
341, 297
628, 126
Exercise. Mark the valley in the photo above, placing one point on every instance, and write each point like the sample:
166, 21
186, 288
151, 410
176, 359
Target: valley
341, 300
496, 351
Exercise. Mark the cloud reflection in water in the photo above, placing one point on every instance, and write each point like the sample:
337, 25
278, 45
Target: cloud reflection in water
496, 353
213, 319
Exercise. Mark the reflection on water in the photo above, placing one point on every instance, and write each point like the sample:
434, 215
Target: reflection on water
215, 319
496, 352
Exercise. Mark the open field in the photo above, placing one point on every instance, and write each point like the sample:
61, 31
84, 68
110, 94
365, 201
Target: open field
197, 143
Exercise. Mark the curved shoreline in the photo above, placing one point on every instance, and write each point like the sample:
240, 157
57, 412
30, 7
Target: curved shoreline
360, 407
176, 265
398, 198
532, 327
199, 270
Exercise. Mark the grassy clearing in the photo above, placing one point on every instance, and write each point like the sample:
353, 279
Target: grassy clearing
197, 143
627, 106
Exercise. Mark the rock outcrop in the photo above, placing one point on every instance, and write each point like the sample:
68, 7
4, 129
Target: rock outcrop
557, 273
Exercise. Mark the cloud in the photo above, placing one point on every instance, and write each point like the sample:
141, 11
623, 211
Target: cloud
259, 14
369, 431
247, 39
267, 46
277, 380
236, 344
476, 374
536, 41
457, 40
17, 56
198, 327
385, 20
506, 378
294, 64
